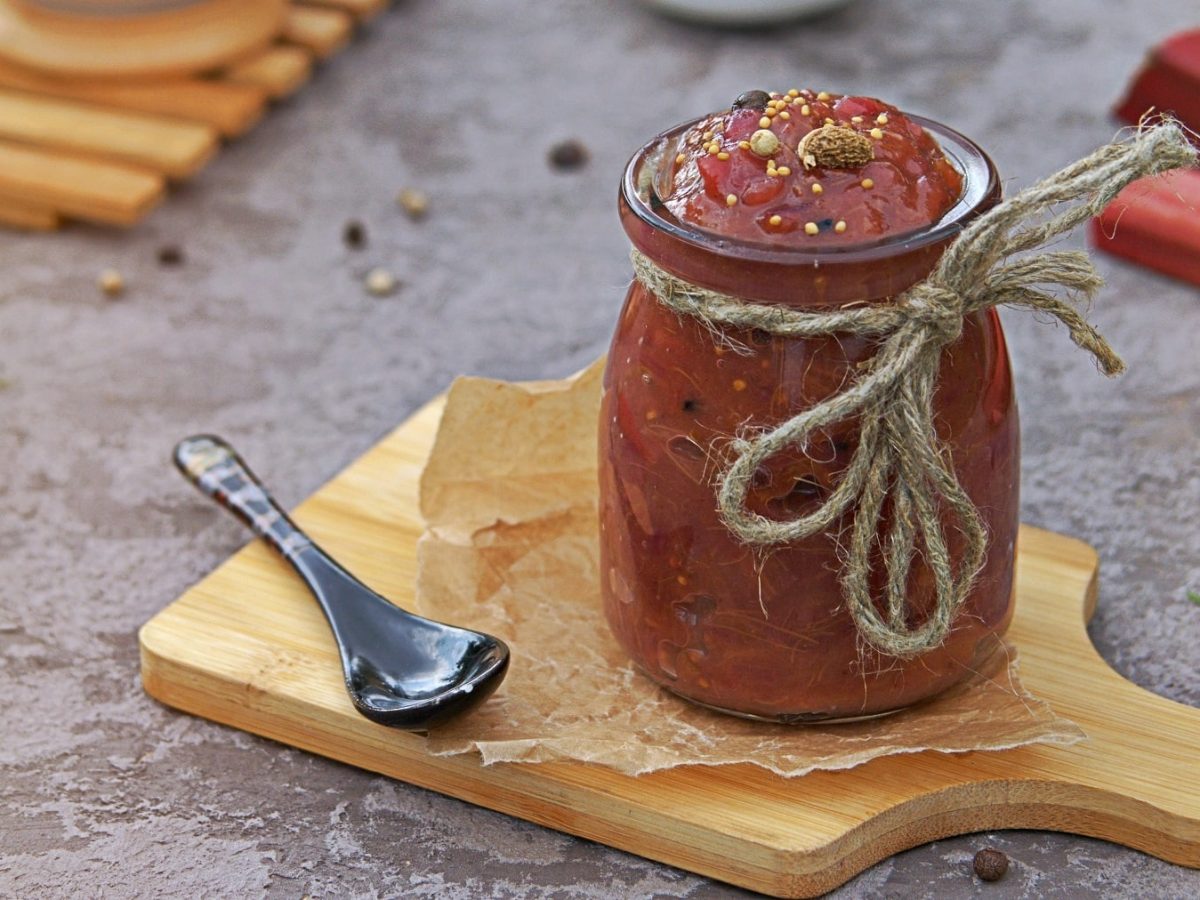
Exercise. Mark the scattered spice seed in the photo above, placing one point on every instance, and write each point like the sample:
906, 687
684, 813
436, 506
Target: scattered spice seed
752, 100
990, 864
680, 159
882, 119
785, 170
868, 183
811, 228
571, 154
877, 134
413, 202
823, 96
354, 235
731, 199
805, 110
722, 156
111, 282
776, 220
170, 255
816, 187
380, 282
840, 226
764, 122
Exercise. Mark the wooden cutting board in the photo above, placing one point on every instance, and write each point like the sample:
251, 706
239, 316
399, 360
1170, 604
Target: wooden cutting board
248, 647
105, 151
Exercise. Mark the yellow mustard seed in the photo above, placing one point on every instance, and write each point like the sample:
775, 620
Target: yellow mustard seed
785, 170
745, 145
805, 110
816, 187
722, 155
882, 119
811, 228
868, 183
731, 199
877, 134
823, 96
739, 384
793, 93
785, 115
111, 282
840, 226
856, 119
764, 122
681, 158
776, 220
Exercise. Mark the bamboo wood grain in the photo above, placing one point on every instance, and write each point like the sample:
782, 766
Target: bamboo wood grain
321, 30
228, 107
362, 10
28, 216
280, 71
190, 38
90, 189
247, 647
174, 147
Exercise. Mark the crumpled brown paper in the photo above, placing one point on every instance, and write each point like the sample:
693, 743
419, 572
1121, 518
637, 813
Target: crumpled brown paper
509, 497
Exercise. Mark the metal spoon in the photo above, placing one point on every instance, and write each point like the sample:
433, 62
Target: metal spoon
401, 669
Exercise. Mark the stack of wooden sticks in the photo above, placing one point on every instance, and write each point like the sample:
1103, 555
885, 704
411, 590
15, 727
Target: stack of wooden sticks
105, 151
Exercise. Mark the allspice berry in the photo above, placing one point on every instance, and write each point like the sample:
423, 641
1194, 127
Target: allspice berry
835, 147
354, 235
170, 255
990, 864
752, 100
568, 155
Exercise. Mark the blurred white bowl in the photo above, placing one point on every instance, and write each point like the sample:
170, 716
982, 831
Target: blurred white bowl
744, 12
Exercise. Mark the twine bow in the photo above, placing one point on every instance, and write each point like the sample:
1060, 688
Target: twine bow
899, 457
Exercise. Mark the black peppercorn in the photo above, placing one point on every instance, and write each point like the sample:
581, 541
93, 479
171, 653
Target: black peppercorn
752, 100
568, 155
170, 255
990, 864
354, 235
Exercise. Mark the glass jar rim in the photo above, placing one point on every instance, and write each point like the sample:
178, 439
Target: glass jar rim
981, 184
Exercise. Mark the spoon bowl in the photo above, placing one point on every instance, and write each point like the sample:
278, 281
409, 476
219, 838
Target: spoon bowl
400, 669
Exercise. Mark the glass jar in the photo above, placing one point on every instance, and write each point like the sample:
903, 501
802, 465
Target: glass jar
767, 634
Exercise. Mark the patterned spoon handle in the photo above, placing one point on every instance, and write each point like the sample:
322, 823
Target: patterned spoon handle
216, 469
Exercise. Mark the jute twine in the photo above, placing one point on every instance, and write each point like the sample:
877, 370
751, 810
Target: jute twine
899, 461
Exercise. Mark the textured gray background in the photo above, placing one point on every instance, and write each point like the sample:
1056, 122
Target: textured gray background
265, 335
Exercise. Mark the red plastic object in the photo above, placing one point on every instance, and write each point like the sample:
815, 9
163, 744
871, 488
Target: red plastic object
1168, 82
1155, 222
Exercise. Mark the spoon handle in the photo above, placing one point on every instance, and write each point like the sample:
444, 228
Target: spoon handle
215, 468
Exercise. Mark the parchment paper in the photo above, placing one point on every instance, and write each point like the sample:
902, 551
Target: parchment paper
509, 497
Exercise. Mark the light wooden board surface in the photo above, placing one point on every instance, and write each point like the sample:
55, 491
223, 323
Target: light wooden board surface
230, 108
321, 30
191, 38
174, 147
95, 190
28, 216
248, 647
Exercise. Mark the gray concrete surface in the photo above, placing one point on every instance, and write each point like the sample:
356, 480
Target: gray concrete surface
266, 336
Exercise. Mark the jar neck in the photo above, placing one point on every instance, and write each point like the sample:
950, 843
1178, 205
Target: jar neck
793, 276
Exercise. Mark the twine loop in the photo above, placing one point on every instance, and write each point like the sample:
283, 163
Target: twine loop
900, 479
